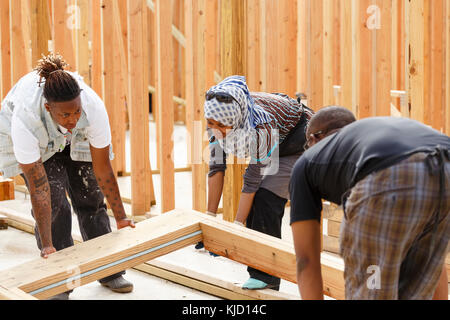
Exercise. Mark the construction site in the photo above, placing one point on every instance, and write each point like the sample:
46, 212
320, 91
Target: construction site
151, 63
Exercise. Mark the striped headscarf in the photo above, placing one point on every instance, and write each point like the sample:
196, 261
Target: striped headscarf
243, 115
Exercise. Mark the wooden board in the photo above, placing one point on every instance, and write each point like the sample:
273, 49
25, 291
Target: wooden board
14, 294
3, 222
164, 53
104, 255
185, 276
108, 254
265, 253
6, 189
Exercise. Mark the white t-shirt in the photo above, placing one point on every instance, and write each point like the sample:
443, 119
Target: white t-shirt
26, 145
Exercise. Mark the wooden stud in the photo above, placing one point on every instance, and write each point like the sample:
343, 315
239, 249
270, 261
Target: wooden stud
82, 40
315, 100
138, 107
151, 238
64, 22
286, 46
253, 46
349, 54
5, 50
265, 253
6, 189
165, 94
382, 104
14, 294
96, 47
19, 52
3, 222
104, 255
328, 33
233, 62
302, 44
198, 143
40, 29
437, 66
447, 67
416, 59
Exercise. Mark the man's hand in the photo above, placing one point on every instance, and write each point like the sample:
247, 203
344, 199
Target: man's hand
46, 251
125, 223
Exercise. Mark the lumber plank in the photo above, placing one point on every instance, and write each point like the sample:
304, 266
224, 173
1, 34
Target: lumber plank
82, 41
416, 67
209, 284
95, 31
198, 143
331, 244
5, 50
302, 44
384, 60
328, 54
315, 100
3, 222
332, 212
141, 182
19, 56
14, 294
104, 255
233, 61
164, 53
6, 189
447, 72
64, 21
169, 271
265, 253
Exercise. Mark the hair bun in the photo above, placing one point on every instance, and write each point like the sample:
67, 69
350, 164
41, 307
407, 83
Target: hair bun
50, 64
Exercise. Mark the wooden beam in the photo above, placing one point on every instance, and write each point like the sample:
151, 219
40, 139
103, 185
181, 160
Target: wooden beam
5, 50
82, 40
19, 52
383, 61
176, 33
103, 256
416, 68
172, 272
14, 294
40, 29
138, 108
437, 66
3, 222
6, 189
302, 45
64, 22
164, 54
198, 143
447, 66
328, 54
315, 100
265, 253
208, 283
96, 47
233, 62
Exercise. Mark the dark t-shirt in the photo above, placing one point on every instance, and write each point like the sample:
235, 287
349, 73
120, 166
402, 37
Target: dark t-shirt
334, 165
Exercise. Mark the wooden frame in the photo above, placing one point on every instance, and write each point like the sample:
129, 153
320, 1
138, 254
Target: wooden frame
122, 249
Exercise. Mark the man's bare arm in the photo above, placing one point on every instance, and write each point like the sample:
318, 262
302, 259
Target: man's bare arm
41, 202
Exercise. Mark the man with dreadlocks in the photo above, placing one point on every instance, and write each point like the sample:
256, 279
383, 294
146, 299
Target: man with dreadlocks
269, 131
54, 130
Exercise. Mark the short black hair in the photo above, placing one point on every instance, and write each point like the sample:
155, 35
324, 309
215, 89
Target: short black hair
333, 117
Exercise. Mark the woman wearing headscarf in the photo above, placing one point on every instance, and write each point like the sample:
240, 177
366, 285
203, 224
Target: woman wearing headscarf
268, 130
